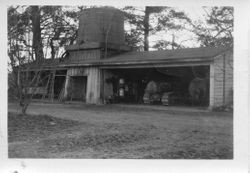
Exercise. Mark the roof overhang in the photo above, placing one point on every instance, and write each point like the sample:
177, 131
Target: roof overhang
142, 60
107, 63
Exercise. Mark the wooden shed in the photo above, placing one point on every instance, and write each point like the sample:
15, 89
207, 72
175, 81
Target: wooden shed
100, 67
217, 61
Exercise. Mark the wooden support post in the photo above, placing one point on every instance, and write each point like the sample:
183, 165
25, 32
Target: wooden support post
102, 94
67, 83
52, 85
18, 78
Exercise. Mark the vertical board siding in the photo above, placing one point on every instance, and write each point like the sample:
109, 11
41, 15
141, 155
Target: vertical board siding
93, 85
92, 73
108, 87
211, 86
79, 56
229, 79
218, 82
66, 87
73, 72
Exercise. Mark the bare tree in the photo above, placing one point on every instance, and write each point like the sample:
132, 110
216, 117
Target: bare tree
149, 21
28, 29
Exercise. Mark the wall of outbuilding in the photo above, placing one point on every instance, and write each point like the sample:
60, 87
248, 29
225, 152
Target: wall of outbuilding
93, 86
80, 56
93, 75
221, 79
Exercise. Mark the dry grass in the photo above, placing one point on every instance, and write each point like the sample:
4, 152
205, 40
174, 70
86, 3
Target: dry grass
114, 132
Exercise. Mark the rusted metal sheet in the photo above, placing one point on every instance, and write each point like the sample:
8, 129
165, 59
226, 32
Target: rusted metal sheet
177, 55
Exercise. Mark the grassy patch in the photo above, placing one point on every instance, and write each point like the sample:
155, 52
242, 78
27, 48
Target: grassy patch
31, 127
147, 134
97, 142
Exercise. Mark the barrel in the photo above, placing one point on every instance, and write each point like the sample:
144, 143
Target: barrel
165, 99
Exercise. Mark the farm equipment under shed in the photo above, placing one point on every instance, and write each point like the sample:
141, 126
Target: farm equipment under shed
162, 86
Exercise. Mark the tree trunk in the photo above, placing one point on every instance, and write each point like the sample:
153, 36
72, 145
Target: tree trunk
146, 28
36, 30
23, 102
52, 48
24, 109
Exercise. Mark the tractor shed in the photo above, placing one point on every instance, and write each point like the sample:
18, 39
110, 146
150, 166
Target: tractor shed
193, 76
141, 85
182, 77
100, 69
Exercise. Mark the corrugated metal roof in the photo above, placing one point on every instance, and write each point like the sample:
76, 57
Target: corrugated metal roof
158, 57
204, 52
162, 56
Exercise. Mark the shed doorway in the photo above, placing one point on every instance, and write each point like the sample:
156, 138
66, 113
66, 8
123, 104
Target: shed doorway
78, 85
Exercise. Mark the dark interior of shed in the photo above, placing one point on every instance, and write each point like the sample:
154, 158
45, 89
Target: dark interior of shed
174, 80
77, 89
59, 82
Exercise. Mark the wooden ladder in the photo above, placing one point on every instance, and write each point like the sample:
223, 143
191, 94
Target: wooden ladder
50, 86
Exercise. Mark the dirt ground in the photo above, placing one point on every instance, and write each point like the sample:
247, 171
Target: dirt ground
119, 132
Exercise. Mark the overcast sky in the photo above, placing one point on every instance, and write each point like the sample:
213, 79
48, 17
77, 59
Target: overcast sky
187, 39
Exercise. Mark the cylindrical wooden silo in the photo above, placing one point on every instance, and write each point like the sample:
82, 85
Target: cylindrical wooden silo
101, 25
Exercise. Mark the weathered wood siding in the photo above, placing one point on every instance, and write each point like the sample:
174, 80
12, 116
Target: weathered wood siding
93, 86
93, 83
221, 79
66, 87
73, 72
108, 87
93, 74
79, 56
